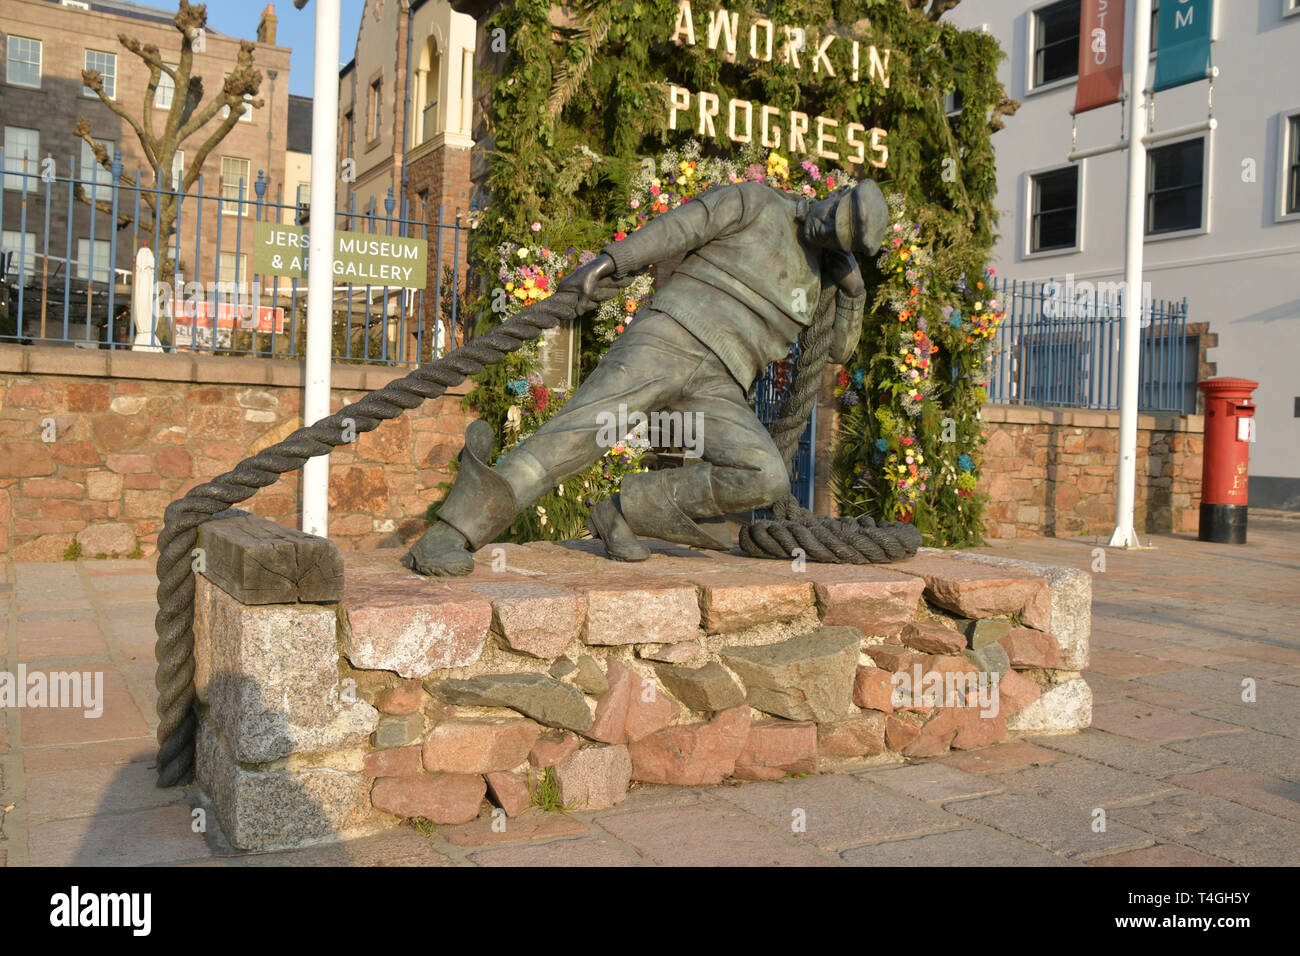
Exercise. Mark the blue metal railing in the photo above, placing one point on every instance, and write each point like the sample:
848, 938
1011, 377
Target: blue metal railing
69, 299
769, 399
1059, 345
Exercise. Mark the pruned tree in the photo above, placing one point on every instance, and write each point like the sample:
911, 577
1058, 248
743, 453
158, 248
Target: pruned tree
188, 115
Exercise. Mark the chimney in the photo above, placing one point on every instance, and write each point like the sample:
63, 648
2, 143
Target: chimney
266, 27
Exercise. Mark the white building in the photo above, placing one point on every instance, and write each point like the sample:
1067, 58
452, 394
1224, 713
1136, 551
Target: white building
1223, 206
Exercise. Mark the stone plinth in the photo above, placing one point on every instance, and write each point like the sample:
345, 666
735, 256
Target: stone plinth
551, 668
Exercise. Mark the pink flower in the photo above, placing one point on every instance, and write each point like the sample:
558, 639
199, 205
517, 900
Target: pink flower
536, 227
635, 204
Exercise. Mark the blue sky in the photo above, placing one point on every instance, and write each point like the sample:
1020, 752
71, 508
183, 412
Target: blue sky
296, 30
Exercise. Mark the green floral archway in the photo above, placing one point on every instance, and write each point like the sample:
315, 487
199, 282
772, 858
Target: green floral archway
608, 114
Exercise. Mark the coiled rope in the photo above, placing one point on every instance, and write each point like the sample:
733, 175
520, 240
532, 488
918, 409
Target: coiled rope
822, 539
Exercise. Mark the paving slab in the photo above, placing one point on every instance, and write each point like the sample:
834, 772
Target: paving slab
1053, 826
711, 835
968, 847
1216, 827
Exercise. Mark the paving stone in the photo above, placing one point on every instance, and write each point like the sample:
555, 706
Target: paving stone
839, 810
858, 735
162, 835
1216, 827
1249, 749
1060, 829
533, 695
1281, 798
87, 791
478, 746
981, 847
579, 852
534, 618
1062, 707
809, 677
932, 781
1082, 784
775, 748
1155, 724
1263, 715
734, 601
692, 754
706, 689
632, 708
120, 720
400, 846
711, 835
595, 778
1123, 753
1165, 854
1124, 665
44, 759
535, 825
1000, 757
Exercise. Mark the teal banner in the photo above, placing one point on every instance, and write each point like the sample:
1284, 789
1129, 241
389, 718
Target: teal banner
1182, 42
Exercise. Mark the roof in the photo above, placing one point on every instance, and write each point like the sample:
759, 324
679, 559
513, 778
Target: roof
299, 133
136, 11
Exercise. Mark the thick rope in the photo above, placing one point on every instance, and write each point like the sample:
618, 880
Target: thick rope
822, 539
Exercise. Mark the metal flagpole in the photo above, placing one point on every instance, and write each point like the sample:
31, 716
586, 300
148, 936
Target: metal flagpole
320, 279
1124, 535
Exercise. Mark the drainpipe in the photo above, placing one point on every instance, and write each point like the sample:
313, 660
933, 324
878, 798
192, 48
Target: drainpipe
406, 106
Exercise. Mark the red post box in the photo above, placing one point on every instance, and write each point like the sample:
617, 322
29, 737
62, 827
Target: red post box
1225, 472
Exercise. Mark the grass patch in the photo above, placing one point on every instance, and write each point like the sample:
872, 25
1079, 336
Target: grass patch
423, 825
73, 551
546, 795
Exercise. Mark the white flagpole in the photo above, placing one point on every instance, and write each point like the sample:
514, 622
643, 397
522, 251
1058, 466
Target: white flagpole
1124, 535
320, 279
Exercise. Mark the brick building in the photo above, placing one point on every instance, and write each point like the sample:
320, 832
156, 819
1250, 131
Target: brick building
46, 44
406, 114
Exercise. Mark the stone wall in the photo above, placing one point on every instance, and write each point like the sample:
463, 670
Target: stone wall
396, 697
95, 444
1052, 471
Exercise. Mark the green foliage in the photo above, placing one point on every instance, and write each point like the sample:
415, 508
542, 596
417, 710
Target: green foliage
73, 551
546, 794
583, 100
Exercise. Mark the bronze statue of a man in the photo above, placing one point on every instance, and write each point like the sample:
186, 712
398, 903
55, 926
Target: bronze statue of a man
756, 264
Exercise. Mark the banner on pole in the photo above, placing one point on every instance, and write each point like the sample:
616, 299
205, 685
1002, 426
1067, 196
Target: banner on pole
1101, 54
1182, 42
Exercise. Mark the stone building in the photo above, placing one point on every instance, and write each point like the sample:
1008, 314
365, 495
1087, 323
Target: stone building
46, 44
406, 113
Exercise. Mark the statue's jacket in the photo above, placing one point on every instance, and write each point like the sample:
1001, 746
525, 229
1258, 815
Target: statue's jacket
747, 286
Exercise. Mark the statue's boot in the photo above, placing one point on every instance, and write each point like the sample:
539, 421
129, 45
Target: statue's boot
659, 504
479, 507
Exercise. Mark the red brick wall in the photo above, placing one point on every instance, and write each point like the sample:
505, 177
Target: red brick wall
1052, 471
133, 432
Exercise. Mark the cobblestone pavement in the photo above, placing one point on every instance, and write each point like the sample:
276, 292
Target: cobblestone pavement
1182, 766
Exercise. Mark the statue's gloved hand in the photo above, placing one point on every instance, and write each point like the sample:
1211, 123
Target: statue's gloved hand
842, 269
585, 281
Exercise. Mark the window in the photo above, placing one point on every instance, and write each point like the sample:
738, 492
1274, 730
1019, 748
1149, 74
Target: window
1290, 7
1155, 26
106, 64
91, 170
1054, 222
226, 267
75, 4
348, 130
376, 107
1175, 183
23, 61
953, 103
178, 169
304, 194
23, 246
1292, 168
234, 171
86, 248
22, 154
165, 91
1055, 29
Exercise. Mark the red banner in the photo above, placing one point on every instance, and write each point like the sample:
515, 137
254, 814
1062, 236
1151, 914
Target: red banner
1101, 54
